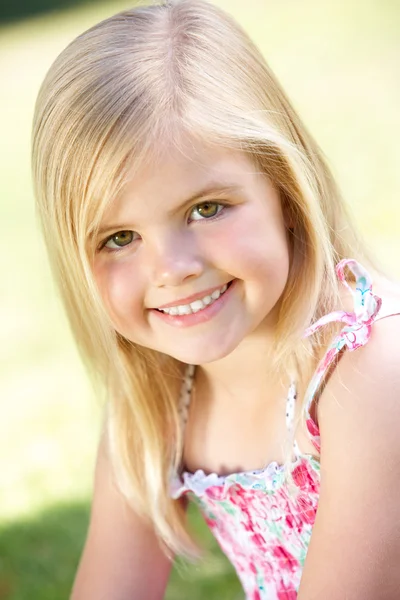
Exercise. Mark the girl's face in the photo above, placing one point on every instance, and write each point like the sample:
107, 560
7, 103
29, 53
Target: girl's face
185, 227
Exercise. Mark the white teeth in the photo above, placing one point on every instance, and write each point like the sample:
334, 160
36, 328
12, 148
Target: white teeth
196, 305
187, 309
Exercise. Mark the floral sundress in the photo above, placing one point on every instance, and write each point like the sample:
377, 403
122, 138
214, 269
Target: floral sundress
264, 526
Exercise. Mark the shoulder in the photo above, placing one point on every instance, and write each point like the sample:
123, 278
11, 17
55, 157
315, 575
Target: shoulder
378, 360
372, 369
364, 389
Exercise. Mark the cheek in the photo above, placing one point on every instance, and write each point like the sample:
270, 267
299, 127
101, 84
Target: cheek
120, 291
254, 248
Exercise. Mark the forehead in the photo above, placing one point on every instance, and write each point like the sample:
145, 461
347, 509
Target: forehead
178, 175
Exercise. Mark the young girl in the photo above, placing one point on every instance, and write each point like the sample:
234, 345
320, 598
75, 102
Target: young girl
217, 288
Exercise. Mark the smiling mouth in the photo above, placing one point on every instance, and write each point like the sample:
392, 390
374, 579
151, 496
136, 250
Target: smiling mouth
197, 305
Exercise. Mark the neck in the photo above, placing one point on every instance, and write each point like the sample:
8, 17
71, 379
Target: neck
246, 373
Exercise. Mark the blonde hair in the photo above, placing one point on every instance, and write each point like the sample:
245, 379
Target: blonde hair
115, 98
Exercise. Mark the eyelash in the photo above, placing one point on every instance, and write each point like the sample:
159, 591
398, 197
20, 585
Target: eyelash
214, 218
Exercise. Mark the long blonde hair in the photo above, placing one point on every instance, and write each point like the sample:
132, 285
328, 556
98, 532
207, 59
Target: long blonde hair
115, 98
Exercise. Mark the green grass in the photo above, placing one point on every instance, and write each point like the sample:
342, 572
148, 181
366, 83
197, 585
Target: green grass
339, 63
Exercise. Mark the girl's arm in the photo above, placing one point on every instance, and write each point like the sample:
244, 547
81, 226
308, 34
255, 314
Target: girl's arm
122, 559
355, 545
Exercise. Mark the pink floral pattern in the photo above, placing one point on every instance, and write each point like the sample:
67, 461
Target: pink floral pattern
263, 523
263, 527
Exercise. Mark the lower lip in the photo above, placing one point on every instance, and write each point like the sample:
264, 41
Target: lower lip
202, 316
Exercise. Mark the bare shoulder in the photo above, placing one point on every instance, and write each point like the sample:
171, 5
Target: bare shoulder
365, 386
372, 370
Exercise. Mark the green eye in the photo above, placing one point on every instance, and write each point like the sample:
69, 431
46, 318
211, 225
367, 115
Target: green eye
207, 210
119, 240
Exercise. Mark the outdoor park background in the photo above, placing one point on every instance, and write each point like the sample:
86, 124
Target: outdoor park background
339, 62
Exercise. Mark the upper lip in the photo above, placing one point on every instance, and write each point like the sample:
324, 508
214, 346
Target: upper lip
193, 297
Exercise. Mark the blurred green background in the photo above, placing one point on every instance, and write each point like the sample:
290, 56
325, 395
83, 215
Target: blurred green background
339, 64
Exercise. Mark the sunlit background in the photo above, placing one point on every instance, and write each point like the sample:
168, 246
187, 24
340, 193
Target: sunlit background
339, 62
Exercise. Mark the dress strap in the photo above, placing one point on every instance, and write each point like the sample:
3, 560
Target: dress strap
290, 412
355, 333
186, 393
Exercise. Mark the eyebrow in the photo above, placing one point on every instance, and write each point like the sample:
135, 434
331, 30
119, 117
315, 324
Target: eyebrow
216, 191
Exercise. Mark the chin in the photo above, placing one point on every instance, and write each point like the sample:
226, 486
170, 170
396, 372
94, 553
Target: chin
202, 356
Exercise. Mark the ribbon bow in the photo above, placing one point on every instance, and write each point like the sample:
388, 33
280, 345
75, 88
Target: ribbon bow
366, 308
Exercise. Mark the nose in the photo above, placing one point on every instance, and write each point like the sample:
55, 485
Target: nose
174, 259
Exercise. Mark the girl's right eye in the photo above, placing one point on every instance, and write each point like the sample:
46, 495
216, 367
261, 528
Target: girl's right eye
118, 240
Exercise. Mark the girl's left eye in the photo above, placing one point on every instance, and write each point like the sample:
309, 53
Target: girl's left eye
207, 210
